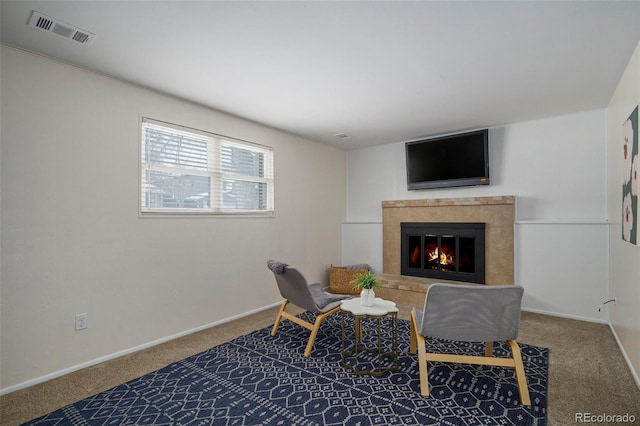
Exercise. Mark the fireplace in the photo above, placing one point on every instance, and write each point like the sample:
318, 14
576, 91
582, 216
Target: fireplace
498, 213
449, 251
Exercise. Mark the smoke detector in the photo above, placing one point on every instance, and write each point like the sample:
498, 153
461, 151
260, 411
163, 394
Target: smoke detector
54, 26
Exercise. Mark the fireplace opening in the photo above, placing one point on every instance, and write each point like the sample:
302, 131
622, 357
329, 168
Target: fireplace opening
451, 251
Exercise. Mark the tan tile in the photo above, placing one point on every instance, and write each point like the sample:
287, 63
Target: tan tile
498, 213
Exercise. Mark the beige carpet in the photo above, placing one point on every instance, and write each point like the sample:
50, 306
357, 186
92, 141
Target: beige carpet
587, 373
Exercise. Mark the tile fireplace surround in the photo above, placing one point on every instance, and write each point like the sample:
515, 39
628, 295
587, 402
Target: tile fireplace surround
497, 212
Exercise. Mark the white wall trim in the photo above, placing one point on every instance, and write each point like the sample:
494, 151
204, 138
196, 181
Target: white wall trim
625, 356
568, 316
562, 222
134, 349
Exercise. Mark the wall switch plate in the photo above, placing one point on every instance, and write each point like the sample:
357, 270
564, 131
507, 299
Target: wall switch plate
81, 321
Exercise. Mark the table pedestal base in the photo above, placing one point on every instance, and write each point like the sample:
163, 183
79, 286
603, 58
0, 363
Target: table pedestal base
370, 356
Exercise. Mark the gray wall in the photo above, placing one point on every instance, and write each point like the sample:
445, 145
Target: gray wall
73, 242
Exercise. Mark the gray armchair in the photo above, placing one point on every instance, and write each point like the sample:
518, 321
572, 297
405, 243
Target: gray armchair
470, 313
312, 297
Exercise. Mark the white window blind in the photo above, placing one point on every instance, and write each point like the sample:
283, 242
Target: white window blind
190, 171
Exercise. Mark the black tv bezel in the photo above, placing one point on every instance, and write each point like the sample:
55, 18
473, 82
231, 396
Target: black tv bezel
449, 183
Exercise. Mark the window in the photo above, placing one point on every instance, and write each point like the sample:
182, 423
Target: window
190, 171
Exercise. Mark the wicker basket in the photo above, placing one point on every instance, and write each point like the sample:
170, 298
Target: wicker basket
341, 277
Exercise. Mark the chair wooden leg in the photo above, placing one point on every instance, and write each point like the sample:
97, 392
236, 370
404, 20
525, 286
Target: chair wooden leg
315, 328
279, 317
422, 357
488, 351
312, 338
525, 399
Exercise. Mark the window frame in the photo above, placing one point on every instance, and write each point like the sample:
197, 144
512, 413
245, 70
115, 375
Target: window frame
216, 174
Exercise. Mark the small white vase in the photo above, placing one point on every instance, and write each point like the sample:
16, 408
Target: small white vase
367, 297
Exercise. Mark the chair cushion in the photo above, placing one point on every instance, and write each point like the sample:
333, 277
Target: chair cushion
323, 299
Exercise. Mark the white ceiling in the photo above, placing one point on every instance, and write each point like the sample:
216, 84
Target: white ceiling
379, 71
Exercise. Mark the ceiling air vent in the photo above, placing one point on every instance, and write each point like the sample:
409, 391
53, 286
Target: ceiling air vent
342, 136
62, 29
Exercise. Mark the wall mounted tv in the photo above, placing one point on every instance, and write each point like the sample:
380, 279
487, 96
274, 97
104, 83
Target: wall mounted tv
453, 160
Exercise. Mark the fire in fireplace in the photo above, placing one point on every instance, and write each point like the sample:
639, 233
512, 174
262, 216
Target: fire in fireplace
451, 251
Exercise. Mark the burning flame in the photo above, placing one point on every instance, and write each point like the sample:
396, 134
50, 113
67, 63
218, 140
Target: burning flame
445, 259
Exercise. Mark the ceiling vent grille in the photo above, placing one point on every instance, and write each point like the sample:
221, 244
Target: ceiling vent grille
342, 136
53, 26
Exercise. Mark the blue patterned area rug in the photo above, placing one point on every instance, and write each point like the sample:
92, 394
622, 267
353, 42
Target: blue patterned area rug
257, 379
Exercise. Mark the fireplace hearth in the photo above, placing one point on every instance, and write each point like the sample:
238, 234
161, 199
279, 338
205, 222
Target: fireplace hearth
449, 251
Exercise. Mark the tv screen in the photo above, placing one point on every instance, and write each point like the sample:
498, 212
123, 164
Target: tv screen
447, 161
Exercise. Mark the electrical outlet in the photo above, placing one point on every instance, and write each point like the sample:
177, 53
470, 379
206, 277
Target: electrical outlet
81, 321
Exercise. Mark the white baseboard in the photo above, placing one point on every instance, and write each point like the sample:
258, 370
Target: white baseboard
568, 316
634, 373
109, 357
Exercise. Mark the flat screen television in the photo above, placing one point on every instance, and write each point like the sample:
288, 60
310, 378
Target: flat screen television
448, 161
